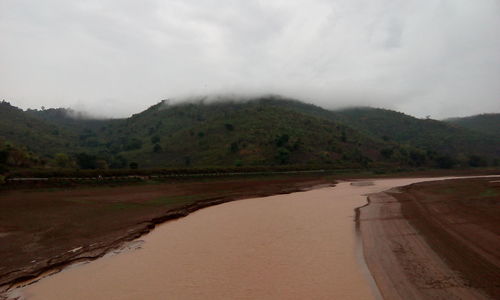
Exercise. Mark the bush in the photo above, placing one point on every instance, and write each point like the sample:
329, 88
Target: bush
282, 140
134, 144
445, 162
86, 161
155, 139
283, 156
477, 161
157, 148
387, 153
234, 147
4, 155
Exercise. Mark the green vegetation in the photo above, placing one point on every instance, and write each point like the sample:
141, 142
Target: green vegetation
488, 124
267, 131
12, 156
439, 143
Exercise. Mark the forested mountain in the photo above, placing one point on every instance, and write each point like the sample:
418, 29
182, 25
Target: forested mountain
230, 133
424, 133
33, 133
68, 118
485, 123
17, 157
262, 131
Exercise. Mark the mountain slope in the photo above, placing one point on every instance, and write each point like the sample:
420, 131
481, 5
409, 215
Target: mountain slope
262, 131
37, 135
232, 133
486, 123
427, 134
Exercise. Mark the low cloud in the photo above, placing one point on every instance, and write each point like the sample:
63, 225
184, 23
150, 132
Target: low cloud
436, 57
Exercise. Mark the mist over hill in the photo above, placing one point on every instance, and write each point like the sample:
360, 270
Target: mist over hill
229, 131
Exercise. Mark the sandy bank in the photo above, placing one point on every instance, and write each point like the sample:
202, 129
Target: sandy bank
426, 241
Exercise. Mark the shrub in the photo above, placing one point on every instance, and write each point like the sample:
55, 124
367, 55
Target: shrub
157, 148
445, 162
155, 139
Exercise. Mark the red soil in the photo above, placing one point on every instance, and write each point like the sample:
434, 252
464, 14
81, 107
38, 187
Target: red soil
435, 240
43, 230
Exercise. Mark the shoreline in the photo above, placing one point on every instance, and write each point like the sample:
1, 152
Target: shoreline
362, 250
260, 248
90, 253
402, 258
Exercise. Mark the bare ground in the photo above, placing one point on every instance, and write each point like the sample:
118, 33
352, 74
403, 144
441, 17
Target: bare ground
43, 231
435, 240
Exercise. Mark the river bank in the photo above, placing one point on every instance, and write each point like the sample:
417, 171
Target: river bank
435, 240
288, 246
45, 230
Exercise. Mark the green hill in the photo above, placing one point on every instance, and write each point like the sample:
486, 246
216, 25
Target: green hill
262, 131
21, 128
237, 133
428, 134
486, 124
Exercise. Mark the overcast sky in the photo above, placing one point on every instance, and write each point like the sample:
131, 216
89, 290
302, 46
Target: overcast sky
115, 58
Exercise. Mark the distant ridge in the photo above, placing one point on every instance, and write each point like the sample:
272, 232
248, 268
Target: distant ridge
484, 123
270, 130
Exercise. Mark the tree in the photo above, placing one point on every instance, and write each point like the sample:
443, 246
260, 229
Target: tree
4, 155
387, 153
157, 148
118, 162
133, 144
155, 139
86, 161
18, 157
477, 161
133, 165
445, 162
101, 164
234, 147
417, 158
343, 137
283, 156
496, 162
62, 160
282, 140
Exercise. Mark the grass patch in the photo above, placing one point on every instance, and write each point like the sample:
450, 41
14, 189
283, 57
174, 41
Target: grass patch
489, 193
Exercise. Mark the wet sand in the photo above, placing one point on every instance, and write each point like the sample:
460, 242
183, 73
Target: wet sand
40, 229
435, 240
295, 246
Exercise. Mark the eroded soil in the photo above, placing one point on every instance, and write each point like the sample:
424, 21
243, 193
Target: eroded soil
46, 230
435, 240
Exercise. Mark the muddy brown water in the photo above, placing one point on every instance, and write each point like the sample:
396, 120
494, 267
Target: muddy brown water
296, 246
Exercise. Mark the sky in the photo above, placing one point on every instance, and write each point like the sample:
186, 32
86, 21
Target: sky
117, 57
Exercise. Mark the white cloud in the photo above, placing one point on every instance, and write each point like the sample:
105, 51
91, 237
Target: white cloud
433, 57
